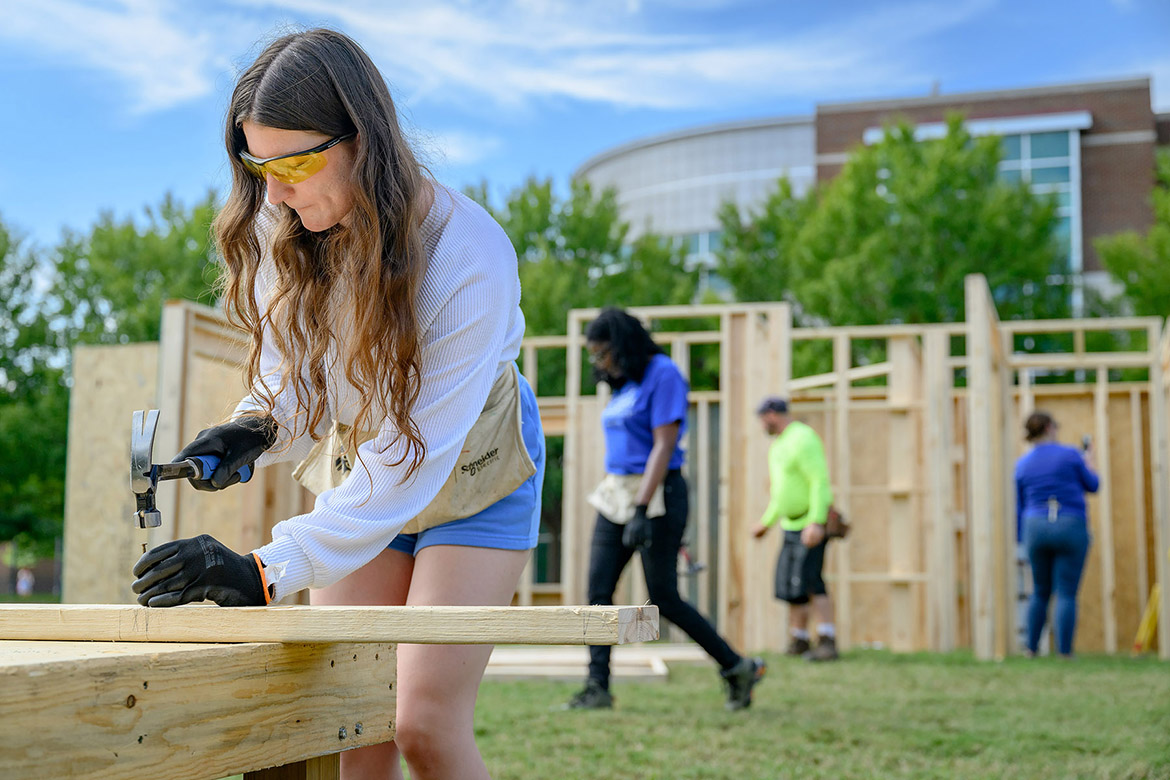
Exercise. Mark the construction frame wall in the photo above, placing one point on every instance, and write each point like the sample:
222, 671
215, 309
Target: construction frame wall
920, 464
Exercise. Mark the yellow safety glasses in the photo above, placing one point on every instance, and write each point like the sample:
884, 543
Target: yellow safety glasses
292, 168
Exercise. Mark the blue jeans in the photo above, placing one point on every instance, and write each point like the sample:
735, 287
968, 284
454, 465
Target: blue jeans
1056, 550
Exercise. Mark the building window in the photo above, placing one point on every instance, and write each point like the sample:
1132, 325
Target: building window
1047, 162
700, 247
1044, 151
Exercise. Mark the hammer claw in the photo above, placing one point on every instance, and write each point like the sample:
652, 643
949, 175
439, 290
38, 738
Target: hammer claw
141, 449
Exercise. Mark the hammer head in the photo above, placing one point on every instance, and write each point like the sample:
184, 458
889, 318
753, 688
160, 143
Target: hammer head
143, 475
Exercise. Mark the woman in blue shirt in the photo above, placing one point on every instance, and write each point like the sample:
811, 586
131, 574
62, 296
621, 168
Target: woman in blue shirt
1051, 482
644, 422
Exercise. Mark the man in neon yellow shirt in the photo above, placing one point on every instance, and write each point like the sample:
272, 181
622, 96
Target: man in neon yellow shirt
800, 503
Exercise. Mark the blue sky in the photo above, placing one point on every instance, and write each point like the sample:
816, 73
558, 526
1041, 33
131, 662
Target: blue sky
110, 104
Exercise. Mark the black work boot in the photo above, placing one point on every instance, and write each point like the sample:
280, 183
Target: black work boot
740, 680
591, 697
826, 649
797, 646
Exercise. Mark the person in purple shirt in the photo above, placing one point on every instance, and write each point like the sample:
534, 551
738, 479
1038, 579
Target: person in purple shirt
1051, 481
644, 422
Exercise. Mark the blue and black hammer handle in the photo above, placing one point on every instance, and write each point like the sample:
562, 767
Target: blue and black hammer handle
197, 467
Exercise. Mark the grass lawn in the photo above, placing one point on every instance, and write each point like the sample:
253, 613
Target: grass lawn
36, 598
872, 715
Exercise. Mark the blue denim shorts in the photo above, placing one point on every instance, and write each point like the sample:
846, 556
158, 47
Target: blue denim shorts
511, 523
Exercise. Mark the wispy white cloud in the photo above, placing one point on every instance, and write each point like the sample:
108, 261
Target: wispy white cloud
456, 147
164, 64
514, 53
500, 54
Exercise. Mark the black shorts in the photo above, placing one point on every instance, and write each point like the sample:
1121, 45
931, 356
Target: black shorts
798, 570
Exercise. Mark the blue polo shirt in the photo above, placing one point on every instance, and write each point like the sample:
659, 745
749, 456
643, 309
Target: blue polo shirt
634, 411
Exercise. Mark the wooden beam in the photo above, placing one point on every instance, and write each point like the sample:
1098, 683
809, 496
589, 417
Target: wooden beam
1097, 324
1007, 596
530, 371
1087, 360
127, 711
843, 475
415, 625
829, 379
985, 493
728, 370
573, 493
683, 311
942, 599
1160, 460
875, 331
701, 463
1140, 467
903, 470
1105, 509
546, 342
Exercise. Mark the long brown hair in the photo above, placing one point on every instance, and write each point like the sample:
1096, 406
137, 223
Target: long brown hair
320, 80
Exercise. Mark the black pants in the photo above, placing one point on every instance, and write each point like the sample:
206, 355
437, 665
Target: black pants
608, 557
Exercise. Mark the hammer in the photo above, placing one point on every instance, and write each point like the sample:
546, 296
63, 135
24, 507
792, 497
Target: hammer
145, 475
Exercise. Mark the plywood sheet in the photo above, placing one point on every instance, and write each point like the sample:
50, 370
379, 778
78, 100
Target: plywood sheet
102, 538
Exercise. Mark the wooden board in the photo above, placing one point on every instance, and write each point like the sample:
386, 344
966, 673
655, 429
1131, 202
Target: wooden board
642, 663
417, 625
187, 711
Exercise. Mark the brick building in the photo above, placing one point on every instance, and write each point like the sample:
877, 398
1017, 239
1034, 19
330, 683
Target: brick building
1091, 144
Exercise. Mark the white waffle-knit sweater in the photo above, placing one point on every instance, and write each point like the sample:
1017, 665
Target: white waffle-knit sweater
471, 327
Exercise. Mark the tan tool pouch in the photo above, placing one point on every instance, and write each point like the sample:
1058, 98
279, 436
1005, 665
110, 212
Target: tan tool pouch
493, 463
614, 498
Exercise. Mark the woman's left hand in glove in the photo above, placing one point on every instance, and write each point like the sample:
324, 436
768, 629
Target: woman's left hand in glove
198, 569
637, 532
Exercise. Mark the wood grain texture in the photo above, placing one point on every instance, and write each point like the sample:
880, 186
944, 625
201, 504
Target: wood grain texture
102, 538
320, 768
187, 711
416, 625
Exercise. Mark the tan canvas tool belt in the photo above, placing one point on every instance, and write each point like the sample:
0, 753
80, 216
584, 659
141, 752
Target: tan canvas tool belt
614, 498
494, 461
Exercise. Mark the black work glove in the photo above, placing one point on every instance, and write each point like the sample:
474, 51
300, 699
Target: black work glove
636, 534
198, 569
237, 444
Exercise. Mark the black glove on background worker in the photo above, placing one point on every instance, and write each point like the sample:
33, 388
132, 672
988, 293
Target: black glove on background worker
636, 534
237, 444
199, 569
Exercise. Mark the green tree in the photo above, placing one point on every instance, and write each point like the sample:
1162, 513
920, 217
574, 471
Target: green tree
23, 327
891, 239
1142, 263
110, 285
574, 253
758, 252
104, 287
33, 405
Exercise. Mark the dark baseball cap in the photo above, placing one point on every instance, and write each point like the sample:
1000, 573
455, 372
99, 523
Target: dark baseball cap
773, 404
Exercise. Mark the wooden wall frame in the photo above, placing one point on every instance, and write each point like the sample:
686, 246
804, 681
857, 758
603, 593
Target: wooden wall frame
952, 395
